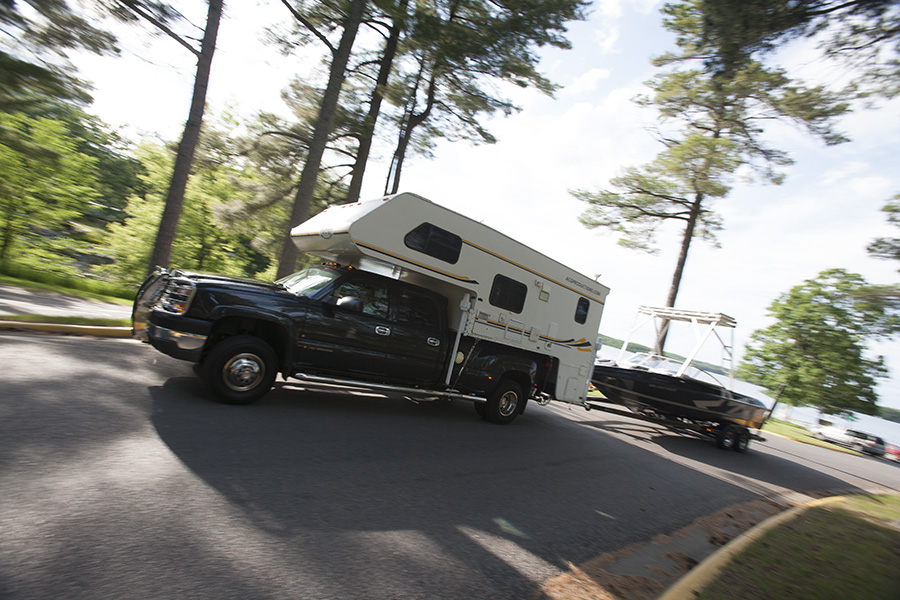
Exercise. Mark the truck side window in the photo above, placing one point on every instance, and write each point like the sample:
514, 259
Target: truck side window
508, 294
581, 310
434, 241
373, 294
418, 310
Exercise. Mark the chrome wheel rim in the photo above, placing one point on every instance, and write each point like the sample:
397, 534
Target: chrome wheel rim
508, 402
243, 372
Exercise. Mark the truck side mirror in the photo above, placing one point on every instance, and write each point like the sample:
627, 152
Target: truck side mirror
351, 304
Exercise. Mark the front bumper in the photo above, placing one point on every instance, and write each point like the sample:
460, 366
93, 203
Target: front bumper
177, 344
179, 337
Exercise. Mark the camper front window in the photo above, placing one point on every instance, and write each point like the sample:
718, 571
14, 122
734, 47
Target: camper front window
434, 241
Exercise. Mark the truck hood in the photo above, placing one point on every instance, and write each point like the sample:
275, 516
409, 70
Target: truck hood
209, 280
156, 283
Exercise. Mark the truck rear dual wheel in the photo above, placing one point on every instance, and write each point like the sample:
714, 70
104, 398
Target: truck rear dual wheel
732, 437
743, 441
240, 369
504, 403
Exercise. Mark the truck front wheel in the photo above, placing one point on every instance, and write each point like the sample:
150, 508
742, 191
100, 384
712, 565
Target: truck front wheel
504, 403
240, 369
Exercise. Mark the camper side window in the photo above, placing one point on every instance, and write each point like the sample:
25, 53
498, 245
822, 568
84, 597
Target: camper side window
581, 310
434, 241
508, 293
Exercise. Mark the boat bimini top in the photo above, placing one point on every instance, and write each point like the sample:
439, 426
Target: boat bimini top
704, 326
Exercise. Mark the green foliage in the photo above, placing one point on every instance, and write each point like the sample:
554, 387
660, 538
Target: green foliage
888, 248
73, 285
712, 125
718, 128
30, 71
205, 241
889, 414
816, 346
864, 35
453, 56
666, 189
41, 193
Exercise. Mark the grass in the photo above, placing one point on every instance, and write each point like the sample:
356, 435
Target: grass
846, 550
67, 320
62, 288
68, 284
801, 434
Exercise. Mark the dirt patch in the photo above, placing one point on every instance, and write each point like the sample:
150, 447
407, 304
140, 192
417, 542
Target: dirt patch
643, 570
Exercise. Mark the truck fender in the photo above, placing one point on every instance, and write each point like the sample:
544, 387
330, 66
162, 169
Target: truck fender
280, 332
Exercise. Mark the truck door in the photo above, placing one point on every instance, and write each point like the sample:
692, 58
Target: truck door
418, 340
346, 341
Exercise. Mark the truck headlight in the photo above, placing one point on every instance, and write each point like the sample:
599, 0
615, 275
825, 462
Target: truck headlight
177, 297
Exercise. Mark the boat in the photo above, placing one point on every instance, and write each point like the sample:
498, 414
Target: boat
678, 390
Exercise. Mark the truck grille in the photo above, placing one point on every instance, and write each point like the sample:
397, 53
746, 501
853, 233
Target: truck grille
177, 297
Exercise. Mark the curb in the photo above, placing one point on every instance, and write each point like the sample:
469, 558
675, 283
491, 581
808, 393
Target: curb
698, 578
118, 332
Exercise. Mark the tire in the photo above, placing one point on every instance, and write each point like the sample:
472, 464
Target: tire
743, 441
504, 404
480, 409
727, 437
240, 369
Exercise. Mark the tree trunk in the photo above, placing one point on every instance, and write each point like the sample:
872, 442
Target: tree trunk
287, 260
162, 249
384, 71
416, 119
679, 269
406, 135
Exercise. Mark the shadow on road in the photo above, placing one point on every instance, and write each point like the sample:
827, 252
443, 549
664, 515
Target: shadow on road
448, 504
762, 466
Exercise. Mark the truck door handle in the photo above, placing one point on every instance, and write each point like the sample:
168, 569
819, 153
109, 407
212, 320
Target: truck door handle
434, 341
381, 330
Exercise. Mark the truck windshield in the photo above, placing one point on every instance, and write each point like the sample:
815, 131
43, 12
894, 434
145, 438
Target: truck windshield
308, 281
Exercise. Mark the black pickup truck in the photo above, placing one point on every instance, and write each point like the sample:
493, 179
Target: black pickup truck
332, 324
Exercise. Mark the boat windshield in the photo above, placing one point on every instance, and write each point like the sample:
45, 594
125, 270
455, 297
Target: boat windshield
653, 362
307, 281
661, 364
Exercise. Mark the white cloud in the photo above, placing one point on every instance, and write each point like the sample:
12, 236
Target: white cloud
587, 82
844, 171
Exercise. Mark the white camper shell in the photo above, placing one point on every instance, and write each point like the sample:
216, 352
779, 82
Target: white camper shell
498, 289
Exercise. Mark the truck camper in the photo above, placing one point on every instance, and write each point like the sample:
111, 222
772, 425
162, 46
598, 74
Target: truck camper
411, 296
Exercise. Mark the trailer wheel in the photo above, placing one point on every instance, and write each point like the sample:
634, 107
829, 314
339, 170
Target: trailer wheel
743, 441
504, 403
240, 369
726, 437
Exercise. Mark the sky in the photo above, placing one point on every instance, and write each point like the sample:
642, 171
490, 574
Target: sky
775, 237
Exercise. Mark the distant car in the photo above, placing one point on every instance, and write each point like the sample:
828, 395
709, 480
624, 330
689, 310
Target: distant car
850, 438
892, 452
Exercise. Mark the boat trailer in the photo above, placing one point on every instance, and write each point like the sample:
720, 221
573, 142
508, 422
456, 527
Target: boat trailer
727, 436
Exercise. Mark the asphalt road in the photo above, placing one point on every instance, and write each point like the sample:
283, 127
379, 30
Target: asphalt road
15, 300
119, 479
